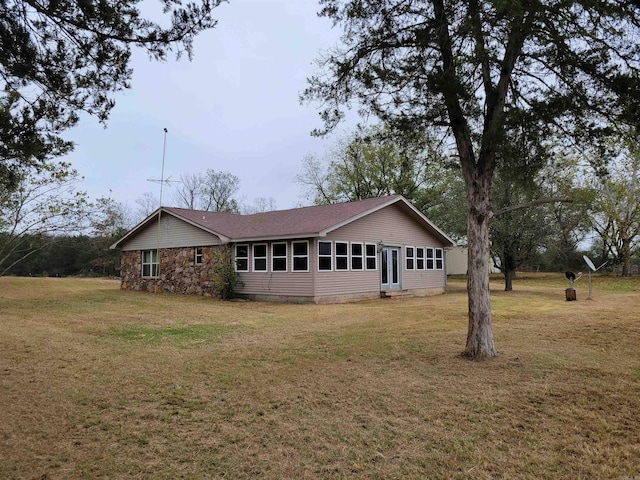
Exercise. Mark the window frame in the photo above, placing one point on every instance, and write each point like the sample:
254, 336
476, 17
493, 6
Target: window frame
275, 257
153, 272
420, 258
254, 257
236, 257
294, 255
439, 259
344, 256
356, 257
368, 257
430, 257
324, 256
410, 258
198, 256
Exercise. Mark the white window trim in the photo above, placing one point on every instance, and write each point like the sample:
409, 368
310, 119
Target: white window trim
423, 258
374, 256
336, 256
441, 259
432, 258
254, 258
318, 256
286, 256
151, 264
196, 256
407, 257
235, 256
361, 256
294, 256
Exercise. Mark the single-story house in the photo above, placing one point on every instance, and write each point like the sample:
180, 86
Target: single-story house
318, 254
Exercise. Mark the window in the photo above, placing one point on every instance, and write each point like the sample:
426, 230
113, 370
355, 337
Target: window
150, 263
260, 257
198, 258
430, 263
324, 255
279, 257
371, 256
439, 259
419, 258
242, 258
411, 257
300, 259
356, 256
342, 256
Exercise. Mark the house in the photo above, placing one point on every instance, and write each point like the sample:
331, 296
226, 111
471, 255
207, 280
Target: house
318, 254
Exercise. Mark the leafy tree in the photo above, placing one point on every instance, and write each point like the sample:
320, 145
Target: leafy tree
212, 191
377, 162
616, 215
60, 58
260, 204
147, 204
479, 69
42, 207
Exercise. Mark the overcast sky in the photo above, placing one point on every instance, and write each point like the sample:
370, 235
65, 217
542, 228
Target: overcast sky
233, 108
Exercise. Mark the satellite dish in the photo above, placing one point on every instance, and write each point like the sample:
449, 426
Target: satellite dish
570, 276
592, 268
589, 263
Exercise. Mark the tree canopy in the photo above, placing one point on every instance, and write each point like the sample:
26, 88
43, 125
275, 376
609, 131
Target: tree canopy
480, 70
61, 58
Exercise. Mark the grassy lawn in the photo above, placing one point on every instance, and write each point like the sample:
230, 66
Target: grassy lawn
100, 383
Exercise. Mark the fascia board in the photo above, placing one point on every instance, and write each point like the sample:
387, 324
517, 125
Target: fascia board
276, 237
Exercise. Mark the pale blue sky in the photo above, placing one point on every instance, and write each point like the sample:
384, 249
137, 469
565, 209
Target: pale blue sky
234, 108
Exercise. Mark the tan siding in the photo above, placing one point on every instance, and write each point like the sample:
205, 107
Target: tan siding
276, 283
389, 226
286, 284
174, 233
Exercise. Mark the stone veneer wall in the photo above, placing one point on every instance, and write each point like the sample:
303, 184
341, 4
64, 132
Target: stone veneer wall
178, 272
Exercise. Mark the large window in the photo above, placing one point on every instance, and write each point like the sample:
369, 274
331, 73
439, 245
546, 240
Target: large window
371, 251
300, 256
242, 258
419, 258
324, 255
150, 263
410, 254
260, 257
278, 257
357, 256
439, 259
342, 256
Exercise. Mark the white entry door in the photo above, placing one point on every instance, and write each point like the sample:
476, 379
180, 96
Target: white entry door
390, 262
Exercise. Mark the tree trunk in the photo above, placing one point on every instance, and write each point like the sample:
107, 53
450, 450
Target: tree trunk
509, 275
480, 334
626, 257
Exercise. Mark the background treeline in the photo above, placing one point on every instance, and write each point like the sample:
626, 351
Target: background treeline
66, 255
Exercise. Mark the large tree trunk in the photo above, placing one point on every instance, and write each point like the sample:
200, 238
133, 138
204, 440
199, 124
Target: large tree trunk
626, 257
480, 334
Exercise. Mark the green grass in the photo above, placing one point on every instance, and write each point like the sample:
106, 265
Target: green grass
100, 383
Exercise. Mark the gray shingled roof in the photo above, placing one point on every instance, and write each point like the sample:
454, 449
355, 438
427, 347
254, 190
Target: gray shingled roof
294, 223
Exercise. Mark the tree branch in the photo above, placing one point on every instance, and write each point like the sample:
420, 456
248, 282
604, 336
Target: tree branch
522, 206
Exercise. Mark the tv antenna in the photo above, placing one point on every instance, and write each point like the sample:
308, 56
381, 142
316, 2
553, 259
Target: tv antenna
161, 181
592, 268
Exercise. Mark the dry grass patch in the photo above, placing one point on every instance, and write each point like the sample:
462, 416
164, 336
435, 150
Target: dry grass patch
99, 383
